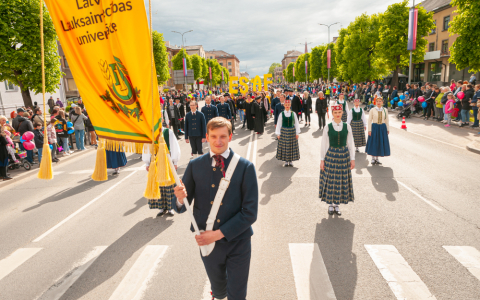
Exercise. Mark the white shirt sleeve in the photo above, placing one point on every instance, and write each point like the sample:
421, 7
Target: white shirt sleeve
174, 147
350, 143
297, 124
278, 128
364, 118
349, 116
146, 158
325, 143
346, 104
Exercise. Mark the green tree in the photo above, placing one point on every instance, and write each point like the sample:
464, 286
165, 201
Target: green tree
160, 56
271, 70
226, 75
289, 69
393, 40
340, 61
315, 68
216, 73
300, 67
333, 65
284, 72
197, 65
20, 58
204, 68
465, 51
177, 60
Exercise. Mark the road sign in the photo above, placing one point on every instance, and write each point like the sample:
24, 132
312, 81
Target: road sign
179, 78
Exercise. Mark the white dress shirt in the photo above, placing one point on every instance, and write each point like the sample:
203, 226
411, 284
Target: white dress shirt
174, 150
350, 115
326, 141
278, 128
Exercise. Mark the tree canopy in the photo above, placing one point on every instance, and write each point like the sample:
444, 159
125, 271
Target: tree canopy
289, 69
300, 75
177, 60
197, 65
20, 48
160, 56
271, 70
333, 64
315, 67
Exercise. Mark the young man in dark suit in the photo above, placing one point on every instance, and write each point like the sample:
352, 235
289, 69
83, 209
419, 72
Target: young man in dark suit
210, 111
195, 129
228, 263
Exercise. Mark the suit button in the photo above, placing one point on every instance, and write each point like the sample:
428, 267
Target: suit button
214, 169
213, 185
218, 221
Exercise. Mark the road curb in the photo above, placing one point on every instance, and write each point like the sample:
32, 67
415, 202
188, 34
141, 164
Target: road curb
474, 147
33, 172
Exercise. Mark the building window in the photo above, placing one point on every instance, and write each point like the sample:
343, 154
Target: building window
446, 22
293, 60
229, 63
65, 63
431, 47
445, 47
434, 28
221, 64
434, 72
230, 70
419, 73
72, 86
9, 86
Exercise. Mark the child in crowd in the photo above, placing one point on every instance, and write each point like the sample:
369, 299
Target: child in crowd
449, 107
10, 145
52, 140
38, 139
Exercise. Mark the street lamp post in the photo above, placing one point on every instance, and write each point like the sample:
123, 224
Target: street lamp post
185, 76
328, 42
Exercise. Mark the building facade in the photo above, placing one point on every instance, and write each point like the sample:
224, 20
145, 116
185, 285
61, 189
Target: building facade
229, 61
291, 56
436, 68
278, 74
244, 74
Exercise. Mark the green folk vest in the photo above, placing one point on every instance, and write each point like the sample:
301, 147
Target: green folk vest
337, 138
288, 122
166, 136
343, 105
356, 116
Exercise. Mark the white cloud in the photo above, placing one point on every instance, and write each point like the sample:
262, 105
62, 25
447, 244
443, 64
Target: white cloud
259, 33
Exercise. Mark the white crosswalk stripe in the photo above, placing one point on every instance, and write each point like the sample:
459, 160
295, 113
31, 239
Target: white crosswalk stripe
469, 257
311, 278
135, 282
62, 285
16, 259
206, 291
402, 280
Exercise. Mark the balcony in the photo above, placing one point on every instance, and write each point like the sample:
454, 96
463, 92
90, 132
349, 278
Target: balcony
444, 53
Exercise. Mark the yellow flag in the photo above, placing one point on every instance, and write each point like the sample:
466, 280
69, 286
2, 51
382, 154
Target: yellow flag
107, 45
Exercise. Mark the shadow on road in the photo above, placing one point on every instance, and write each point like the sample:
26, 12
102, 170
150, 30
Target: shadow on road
334, 237
274, 185
113, 259
361, 162
142, 202
384, 181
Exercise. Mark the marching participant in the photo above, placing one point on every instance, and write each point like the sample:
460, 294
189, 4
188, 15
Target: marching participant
195, 129
228, 225
378, 130
358, 121
224, 109
321, 108
166, 201
279, 107
344, 104
115, 160
248, 112
337, 159
287, 129
258, 115
209, 111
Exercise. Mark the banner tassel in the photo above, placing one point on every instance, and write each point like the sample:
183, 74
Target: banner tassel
152, 191
100, 172
46, 169
164, 170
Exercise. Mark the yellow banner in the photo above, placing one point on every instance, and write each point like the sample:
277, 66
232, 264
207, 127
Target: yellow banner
108, 48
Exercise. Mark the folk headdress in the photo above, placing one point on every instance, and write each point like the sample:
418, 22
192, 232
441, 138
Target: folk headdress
337, 107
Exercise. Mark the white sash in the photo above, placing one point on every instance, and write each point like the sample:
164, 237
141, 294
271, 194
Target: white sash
222, 188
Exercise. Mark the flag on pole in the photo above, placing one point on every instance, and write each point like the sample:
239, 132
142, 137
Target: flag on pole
184, 67
222, 75
306, 67
412, 29
210, 72
329, 57
293, 71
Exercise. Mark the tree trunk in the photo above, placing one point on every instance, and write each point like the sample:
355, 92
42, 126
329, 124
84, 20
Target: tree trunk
27, 99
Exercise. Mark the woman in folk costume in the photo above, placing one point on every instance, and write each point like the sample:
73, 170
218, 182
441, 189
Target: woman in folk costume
358, 121
378, 130
116, 160
258, 114
164, 204
337, 160
344, 104
287, 129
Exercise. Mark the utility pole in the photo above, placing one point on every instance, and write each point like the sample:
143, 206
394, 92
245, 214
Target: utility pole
185, 74
328, 42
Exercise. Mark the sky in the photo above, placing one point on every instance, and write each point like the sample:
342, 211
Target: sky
258, 32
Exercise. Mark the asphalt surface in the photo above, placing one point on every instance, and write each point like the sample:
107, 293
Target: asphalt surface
424, 197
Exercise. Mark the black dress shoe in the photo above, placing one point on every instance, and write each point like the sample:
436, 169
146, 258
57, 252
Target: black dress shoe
337, 211
161, 213
7, 178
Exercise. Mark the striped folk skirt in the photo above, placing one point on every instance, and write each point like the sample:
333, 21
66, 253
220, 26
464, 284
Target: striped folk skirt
358, 133
287, 149
378, 143
344, 116
336, 181
167, 198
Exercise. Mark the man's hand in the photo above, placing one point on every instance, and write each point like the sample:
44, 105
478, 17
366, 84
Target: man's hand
208, 237
322, 165
204, 140
388, 132
364, 128
370, 133
186, 140
180, 192
297, 136
352, 164
148, 168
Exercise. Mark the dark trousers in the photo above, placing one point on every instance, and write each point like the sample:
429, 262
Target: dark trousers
429, 109
307, 116
196, 144
233, 124
227, 268
29, 157
321, 119
3, 172
173, 124
475, 119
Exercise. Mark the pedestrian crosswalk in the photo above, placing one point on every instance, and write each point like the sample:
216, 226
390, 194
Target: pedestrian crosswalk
310, 274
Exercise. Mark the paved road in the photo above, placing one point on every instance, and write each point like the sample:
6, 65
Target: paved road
413, 231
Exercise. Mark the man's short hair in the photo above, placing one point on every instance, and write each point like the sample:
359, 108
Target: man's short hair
219, 122
37, 124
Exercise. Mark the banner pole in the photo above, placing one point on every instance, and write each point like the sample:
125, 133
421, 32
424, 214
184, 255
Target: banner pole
410, 71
